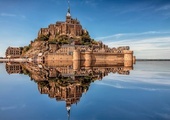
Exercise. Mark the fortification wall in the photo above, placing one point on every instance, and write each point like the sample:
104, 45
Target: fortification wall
88, 56
58, 63
101, 56
125, 59
58, 57
109, 63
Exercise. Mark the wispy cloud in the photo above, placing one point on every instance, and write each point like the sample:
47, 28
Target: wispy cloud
137, 8
134, 34
8, 15
163, 8
5, 108
143, 10
151, 44
119, 86
12, 15
156, 43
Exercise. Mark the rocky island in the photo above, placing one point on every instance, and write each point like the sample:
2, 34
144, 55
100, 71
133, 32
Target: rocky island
63, 60
68, 41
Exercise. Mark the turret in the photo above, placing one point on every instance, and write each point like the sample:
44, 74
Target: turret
128, 58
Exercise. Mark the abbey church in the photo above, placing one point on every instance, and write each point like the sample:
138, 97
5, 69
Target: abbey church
71, 27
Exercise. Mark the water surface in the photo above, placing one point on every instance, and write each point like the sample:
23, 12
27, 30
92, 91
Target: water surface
144, 94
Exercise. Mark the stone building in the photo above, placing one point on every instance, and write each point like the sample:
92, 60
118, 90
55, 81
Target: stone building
13, 52
70, 27
100, 53
13, 68
66, 40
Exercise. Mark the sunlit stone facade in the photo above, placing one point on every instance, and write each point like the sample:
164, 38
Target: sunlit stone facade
13, 52
70, 27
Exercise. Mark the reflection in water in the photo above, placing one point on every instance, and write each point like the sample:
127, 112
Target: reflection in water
65, 80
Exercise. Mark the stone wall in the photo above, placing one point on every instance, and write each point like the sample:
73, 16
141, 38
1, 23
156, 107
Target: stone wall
51, 57
88, 57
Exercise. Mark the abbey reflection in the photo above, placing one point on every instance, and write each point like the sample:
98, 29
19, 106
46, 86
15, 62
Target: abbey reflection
66, 80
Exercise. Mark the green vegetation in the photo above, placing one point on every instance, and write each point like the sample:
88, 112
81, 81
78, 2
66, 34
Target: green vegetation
65, 39
26, 48
86, 40
43, 37
52, 41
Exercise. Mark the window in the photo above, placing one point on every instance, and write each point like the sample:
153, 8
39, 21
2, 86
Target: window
70, 53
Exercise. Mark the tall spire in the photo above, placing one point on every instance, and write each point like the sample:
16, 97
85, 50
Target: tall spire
68, 111
68, 12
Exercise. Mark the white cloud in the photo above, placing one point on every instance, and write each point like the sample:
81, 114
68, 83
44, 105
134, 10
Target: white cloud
151, 44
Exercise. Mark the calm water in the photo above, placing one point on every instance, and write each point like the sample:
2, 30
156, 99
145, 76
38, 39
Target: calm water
144, 94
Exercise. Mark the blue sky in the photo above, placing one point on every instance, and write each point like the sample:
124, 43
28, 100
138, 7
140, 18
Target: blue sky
144, 25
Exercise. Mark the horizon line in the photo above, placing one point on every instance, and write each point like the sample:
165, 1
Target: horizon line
152, 59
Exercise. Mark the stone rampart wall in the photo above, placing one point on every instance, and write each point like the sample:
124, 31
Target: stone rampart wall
125, 59
59, 57
87, 56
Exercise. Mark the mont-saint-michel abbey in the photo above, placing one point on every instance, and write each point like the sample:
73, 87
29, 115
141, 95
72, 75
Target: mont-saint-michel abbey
63, 60
68, 41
